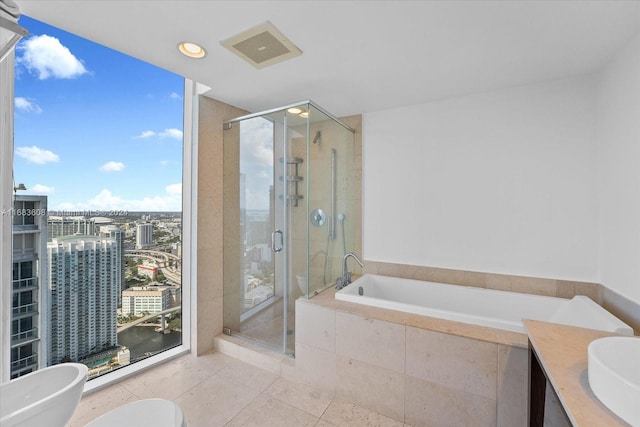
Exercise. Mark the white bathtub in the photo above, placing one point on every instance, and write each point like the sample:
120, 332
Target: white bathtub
478, 306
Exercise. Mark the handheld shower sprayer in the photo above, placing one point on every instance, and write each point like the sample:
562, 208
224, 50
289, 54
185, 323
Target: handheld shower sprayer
317, 137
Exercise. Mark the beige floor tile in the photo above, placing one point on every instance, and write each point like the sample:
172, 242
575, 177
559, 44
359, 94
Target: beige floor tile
250, 376
323, 423
348, 414
300, 396
171, 379
99, 403
216, 400
266, 411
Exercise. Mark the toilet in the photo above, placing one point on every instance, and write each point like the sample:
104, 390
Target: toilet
147, 412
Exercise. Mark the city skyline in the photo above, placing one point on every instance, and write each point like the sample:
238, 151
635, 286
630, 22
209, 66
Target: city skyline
95, 130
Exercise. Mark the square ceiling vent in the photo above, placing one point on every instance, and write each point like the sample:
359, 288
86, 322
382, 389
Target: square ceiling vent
262, 45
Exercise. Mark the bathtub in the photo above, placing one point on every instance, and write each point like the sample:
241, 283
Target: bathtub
478, 306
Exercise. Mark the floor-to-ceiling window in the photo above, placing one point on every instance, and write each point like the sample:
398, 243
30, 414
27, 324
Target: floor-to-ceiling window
99, 148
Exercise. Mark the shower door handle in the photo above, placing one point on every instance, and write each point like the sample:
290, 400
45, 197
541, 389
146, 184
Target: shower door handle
273, 241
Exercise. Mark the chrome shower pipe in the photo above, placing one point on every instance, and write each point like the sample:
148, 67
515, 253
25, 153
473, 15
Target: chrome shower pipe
332, 218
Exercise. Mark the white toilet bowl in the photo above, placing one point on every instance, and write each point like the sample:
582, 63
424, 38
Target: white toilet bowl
147, 412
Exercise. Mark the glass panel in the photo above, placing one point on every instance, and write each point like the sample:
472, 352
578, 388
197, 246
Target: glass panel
331, 157
301, 158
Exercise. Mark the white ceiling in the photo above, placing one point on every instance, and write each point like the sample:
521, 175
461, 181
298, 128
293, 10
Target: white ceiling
359, 56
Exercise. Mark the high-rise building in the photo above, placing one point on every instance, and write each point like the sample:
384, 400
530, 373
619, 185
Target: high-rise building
144, 235
59, 226
83, 292
28, 343
116, 233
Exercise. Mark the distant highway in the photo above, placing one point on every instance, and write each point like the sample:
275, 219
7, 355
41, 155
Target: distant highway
161, 259
147, 317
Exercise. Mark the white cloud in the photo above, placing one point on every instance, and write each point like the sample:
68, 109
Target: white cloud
171, 133
112, 167
167, 133
164, 162
46, 57
37, 155
42, 189
23, 104
105, 200
174, 189
146, 134
174, 95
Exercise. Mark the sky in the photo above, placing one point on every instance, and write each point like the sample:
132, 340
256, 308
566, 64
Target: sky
95, 129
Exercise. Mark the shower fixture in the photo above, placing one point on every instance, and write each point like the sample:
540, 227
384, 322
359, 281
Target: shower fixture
317, 137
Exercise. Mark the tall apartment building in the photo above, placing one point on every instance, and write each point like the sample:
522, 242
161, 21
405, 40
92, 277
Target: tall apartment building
117, 234
28, 325
144, 235
58, 226
84, 289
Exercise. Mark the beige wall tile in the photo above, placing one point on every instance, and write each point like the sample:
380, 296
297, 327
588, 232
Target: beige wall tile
402, 270
456, 277
565, 289
316, 367
455, 362
370, 267
315, 326
430, 404
210, 220
526, 285
369, 340
370, 386
591, 290
513, 386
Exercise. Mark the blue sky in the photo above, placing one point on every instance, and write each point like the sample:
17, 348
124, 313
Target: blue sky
95, 129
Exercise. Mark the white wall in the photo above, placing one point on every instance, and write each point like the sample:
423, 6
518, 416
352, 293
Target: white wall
6, 202
501, 182
619, 173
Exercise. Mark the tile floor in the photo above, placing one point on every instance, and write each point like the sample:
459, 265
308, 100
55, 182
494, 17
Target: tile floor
218, 390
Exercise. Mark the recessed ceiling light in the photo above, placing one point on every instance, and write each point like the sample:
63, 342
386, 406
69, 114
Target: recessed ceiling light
304, 114
192, 50
295, 110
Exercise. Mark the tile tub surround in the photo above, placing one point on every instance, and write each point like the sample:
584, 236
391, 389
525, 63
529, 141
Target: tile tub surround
414, 369
621, 307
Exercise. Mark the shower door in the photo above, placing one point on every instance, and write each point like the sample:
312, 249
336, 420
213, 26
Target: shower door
263, 177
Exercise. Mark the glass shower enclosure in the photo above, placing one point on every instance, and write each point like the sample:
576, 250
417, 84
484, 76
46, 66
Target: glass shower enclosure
288, 216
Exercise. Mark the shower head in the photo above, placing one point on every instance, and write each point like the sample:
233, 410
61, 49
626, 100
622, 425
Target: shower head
341, 218
317, 137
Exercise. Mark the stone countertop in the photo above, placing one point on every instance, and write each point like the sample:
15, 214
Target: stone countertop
562, 353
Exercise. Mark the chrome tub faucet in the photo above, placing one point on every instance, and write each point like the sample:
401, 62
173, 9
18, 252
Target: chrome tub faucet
343, 281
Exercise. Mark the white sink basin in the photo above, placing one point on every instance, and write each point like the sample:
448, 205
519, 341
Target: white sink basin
46, 397
614, 375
